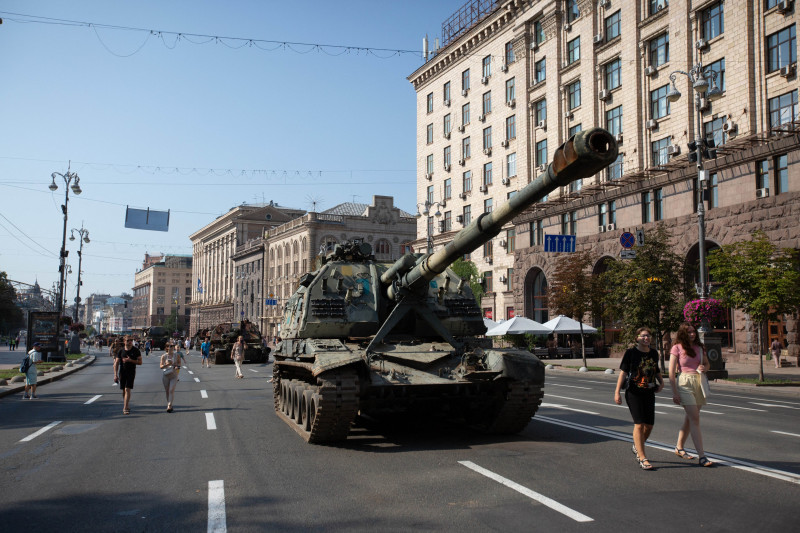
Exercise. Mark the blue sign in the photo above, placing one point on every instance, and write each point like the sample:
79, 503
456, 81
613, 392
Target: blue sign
199, 285
559, 243
627, 240
271, 301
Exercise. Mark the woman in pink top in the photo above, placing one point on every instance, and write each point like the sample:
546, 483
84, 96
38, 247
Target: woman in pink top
688, 357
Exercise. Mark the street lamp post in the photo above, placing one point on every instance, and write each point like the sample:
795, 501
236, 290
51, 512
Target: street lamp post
426, 210
68, 178
702, 89
83, 237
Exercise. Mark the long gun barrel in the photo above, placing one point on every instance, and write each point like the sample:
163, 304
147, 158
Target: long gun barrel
583, 155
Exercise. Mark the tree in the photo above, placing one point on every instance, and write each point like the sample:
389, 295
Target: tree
574, 290
11, 317
467, 271
759, 278
648, 290
171, 322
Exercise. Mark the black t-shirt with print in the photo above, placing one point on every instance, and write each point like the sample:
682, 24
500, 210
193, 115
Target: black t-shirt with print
133, 353
643, 368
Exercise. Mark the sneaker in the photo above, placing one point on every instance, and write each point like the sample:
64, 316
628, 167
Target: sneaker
34, 397
24, 396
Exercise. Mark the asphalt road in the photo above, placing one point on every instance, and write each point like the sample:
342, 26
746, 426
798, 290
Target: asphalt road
224, 461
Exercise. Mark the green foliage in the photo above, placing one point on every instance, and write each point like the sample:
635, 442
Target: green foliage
10, 314
648, 290
171, 322
757, 277
467, 271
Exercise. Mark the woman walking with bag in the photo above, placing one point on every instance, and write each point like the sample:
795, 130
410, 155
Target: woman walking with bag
237, 354
639, 369
688, 360
170, 366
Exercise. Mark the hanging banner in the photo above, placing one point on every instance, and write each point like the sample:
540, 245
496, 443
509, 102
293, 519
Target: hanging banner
146, 219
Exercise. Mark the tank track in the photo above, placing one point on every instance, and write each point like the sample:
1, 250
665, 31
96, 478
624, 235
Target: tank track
320, 413
522, 400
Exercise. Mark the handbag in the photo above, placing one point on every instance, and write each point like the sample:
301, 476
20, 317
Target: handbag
704, 380
169, 372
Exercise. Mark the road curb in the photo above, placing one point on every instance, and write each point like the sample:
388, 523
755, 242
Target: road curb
6, 390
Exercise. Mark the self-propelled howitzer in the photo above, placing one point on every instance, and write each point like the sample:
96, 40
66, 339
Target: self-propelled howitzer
363, 336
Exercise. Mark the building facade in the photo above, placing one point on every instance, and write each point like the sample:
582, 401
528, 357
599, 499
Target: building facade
161, 287
515, 79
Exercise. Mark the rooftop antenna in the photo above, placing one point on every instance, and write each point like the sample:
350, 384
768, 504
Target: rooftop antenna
425, 47
313, 202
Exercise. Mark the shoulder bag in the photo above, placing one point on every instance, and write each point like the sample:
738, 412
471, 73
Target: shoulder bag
704, 379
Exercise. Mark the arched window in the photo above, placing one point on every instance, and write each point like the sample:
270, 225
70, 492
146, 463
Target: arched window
304, 246
383, 249
536, 296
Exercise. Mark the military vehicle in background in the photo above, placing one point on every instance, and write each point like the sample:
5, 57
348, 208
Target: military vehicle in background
362, 336
158, 337
223, 336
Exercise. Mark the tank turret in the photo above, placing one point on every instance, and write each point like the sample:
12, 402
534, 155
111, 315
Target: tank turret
360, 335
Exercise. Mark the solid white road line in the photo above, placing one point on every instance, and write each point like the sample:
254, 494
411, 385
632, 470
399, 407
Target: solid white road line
751, 398
203, 394
721, 459
570, 386
785, 433
251, 370
559, 406
46, 428
216, 507
197, 380
774, 405
607, 404
737, 407
210, 423
93, 399
544, 500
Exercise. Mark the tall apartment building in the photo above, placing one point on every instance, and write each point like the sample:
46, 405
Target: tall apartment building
514, 79
161, 286
213, 249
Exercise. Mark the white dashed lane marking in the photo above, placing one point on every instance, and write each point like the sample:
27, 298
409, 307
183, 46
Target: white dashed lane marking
46, 428
197, 380
216, 507
203, 394
210, 423
93, 399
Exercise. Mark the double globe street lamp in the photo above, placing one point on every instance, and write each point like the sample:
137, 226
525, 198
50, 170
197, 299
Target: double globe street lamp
83, 237
427, 206
71, 181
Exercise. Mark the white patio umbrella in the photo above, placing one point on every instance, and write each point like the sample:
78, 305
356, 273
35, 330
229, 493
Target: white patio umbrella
489, 323
518, 325
565, 324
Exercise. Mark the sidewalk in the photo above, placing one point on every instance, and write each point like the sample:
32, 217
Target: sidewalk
49, 377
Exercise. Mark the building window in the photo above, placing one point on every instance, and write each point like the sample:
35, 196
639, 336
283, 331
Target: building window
564, 224
467, 214
465, 80
537, 233
161, 291
658, 152
658, 5
466, 152
783, 109
511, 127
717, 67
159, 310
538, 32
487, 138
510, 282
576, 185
487, 206
712, 20
465, 114
511, 239
659, 50
430, 194
713, 130
602, 215
487, 276
540, 71
487, 102
781, 49
446, 124
647, 214
573, 50
487, 66
510, 53
429, 134
541, 152
447, 159
782, 173
429, 164
510, 91
574, 95
447, 222
572, 10
713, 190
574, 130
511, 165
762, 174
540, 110
612, 212
430, 102
659, 104
614, 120
487, 174
467, 181
448, 189
658, 204
446, 92
613, 26
613, 70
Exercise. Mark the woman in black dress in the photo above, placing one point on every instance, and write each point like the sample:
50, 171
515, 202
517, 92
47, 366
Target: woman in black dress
639, 370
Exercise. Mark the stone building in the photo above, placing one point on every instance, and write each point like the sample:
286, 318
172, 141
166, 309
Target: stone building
290, 250
514, 79
213, 249
161, 286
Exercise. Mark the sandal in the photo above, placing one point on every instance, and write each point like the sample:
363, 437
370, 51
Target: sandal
703, 461
126, 411
633, 449
683, 454
645, 464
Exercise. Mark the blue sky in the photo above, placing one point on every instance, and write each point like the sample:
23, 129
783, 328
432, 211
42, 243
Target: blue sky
128, 108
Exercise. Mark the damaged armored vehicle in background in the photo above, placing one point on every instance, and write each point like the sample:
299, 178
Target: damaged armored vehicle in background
223, 336
366, 337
